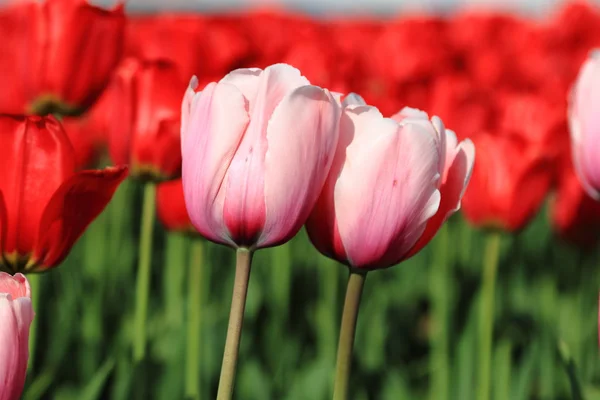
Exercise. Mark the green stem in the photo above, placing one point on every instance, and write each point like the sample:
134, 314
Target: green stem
356, 282
440, 299
36, 292
329, 287
486, 316
143, 277
236, 319
175, 260
194, 321
503, 370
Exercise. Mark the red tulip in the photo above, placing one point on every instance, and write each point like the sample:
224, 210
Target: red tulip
58, 54
516, 164
146, 102
170, 207
179, 38
44, 204
509, 183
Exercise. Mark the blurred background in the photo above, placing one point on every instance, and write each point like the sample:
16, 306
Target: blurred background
498, 72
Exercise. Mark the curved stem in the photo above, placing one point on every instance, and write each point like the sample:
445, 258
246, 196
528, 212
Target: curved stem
143, 277
356, 282
194, 321
236, 319
486, 316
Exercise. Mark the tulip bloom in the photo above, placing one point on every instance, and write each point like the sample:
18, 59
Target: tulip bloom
257, 147
584, 124
145, 129
58, 54
16, 314
392, 185
170, 207
515, 170
44, 205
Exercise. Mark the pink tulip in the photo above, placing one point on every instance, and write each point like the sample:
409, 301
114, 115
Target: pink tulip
393, 183
16, 314
584, 121
257, 147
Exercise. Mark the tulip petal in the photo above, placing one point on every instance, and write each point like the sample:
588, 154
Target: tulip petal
10, 351
170, 206
246, 80
302, 136
76, 203
353, 99
584, 122
455, 180
217, 124
387, 189
186, 104
17, 286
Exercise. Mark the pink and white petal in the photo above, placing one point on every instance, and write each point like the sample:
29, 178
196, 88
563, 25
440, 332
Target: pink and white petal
23, 311
451, 191
218, 120
354, 100
275, 82
585, 125
244, 194
409, 112
434, 127
246, 80
9, 350
302, 137
17, 286
186, 104
386, 191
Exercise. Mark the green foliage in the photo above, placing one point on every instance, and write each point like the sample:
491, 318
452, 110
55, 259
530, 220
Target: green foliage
417, 329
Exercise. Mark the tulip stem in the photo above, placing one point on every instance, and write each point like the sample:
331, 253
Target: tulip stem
194, 321
35, 287
486, 316
236, 319
143, 277
356, 282
440, 287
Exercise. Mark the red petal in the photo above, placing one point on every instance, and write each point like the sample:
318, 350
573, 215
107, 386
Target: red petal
170, 206
72, 208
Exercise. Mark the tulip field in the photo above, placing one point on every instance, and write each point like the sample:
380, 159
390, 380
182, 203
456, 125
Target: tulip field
265, 204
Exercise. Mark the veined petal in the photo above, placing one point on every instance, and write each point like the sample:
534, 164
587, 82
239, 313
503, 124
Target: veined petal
302, 136
218, 120
10, 351
244, 208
